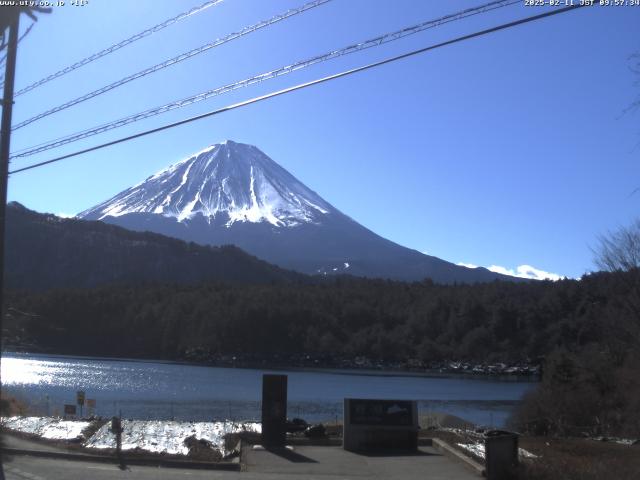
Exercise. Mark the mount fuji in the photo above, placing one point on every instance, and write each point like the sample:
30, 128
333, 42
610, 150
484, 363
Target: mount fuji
233, 193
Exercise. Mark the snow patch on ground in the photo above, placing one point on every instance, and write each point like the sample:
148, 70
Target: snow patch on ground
156, 436
478, 450
160, 436
46, 427
475, 448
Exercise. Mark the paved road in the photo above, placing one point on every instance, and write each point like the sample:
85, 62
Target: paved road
21, 467
310, 463
23, 443
334, 462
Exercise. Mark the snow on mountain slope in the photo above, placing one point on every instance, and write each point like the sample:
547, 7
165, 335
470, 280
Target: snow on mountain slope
232, 179
233, 194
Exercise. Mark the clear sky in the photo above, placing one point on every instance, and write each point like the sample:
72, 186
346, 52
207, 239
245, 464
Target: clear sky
507, 150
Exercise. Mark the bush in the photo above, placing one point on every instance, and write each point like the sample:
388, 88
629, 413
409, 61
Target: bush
583, 394
11, 406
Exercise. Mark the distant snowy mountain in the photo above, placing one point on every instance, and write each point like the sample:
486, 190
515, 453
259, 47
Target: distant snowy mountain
232, 193
229, 180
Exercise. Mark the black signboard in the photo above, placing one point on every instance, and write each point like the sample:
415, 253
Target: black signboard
274, 410
381, 412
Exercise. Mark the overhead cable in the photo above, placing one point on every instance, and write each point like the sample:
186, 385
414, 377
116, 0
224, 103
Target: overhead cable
374, 42
119, 45
303, 85
4, 57
173, 61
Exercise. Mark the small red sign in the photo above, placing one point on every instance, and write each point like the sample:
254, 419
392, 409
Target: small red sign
69, 409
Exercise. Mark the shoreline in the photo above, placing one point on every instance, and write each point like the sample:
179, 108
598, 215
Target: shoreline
426, 373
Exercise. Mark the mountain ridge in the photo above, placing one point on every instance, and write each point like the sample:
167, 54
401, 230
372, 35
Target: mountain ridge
45, 251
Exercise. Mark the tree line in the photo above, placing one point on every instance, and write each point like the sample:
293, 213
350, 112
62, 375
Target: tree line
380, 319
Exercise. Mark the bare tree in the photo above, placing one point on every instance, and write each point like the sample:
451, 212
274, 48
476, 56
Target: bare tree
635, 68
619, 250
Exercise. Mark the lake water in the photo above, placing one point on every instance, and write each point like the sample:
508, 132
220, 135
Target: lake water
157, 390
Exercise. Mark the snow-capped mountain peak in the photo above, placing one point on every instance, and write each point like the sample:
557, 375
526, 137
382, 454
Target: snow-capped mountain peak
233, 180
233, 194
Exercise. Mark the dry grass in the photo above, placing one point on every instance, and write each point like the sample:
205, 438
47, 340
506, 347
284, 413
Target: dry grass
579, 459
11, 406
565, 458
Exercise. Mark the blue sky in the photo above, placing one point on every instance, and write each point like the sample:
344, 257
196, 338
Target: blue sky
507, 150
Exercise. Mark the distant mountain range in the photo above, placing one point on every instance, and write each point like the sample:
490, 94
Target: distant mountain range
232, 193
44, 251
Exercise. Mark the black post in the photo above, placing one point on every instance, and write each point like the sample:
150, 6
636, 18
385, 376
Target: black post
274, 410
5, 141
116, 428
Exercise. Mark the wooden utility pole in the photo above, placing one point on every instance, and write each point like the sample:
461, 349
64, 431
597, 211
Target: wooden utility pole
5, 140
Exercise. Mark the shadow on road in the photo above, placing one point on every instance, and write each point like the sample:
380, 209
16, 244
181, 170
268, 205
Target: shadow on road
290, 455
397, 453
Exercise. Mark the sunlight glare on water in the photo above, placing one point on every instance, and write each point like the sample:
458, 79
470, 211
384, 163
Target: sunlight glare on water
21, 371
18, 372
161, 390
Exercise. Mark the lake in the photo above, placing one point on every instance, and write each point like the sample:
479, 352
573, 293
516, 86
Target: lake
159, 390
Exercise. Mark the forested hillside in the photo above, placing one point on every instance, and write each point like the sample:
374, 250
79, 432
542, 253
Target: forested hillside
46, 251
340, 317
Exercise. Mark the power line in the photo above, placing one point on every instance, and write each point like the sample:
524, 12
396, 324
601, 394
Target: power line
373, 42
119, 45
303, 85
174, 60
26, 32
4, 57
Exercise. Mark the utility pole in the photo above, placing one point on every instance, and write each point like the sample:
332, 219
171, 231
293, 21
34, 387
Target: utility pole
5, 141
9, 18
